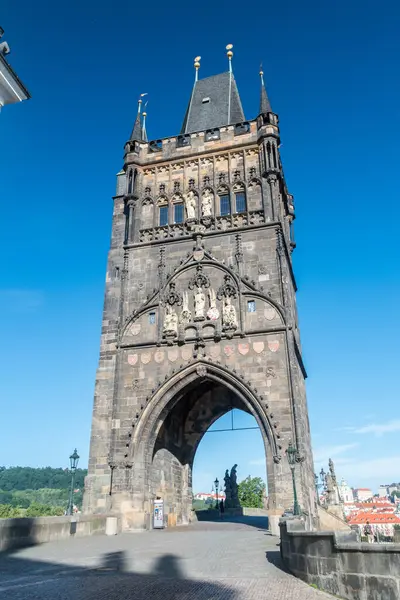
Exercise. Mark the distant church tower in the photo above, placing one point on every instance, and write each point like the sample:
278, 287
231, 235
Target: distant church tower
200, 310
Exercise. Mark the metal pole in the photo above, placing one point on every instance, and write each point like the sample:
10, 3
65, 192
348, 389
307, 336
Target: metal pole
216, 493
296, 507
71, 494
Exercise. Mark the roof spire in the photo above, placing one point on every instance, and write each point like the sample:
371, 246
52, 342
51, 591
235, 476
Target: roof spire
137, 129
196, 78
265, 106
144, 133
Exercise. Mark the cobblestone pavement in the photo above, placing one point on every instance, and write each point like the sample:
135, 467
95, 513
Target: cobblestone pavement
206, 561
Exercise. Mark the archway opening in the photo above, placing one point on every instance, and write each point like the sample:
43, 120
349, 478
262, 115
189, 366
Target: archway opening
235, 438
178, 432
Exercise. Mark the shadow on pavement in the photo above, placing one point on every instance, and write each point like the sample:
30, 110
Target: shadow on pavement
274, 558
256, 521
18, 534
23, 579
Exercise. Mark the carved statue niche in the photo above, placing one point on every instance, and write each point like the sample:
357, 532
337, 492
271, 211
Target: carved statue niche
213, 312
207, 203
229, 318
226, 292
171, 298
186, 314
190, 205
170, 327
199, 304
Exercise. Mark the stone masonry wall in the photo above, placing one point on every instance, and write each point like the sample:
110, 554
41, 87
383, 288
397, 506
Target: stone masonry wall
150, 270
337, 563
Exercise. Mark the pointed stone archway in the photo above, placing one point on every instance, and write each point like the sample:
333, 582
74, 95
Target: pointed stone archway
166, 438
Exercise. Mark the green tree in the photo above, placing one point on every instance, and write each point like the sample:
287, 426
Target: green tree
9, 512
251, 492
42, 510
28, 478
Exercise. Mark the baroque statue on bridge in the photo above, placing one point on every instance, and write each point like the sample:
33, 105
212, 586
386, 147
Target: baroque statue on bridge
231, 488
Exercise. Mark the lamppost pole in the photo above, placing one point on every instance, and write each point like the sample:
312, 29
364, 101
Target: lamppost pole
216, 483
73, 459
293, 458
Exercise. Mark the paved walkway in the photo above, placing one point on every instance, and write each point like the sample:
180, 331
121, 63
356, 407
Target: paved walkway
206, 561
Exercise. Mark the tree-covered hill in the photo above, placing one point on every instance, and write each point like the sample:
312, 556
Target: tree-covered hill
29, 478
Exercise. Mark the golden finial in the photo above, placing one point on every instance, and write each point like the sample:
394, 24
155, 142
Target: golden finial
197, 66
229, 55
140, 101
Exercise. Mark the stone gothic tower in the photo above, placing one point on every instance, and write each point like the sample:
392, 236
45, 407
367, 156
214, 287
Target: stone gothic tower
200, 310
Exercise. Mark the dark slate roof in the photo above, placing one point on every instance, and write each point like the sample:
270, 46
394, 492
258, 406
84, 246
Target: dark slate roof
215, 113
136, 134
14, 76
265, 106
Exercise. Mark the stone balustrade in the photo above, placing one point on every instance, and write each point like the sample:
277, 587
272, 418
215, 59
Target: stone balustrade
337, 563
20, 532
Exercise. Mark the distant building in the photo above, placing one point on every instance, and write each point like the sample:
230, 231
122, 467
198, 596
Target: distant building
345, 492
383, 490
208, 496
362, 494
12, 90
381, 523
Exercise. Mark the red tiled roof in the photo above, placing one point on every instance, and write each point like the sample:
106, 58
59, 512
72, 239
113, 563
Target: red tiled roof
374, 518
377, 504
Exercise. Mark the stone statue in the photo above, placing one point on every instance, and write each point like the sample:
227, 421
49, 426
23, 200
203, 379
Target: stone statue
170, 321
332, 471
328, 483
186, 315
206, 204
336, 499
213, 312
234, 487
190, 205
331, 490
229, 320
228, 490
199, 304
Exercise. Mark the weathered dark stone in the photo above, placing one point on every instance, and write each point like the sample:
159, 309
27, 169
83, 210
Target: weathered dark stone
350, 570
189, 365
379, 588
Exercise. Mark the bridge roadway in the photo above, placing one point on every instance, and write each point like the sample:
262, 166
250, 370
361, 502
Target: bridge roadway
205, 561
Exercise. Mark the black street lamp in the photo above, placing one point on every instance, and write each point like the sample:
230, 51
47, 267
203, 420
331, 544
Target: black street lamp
292, 456
73, 459
216, 483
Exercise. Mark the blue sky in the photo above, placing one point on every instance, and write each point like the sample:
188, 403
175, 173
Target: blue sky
332, 75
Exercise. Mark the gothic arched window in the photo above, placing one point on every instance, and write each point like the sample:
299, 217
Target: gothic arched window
274, 155
178, 212
163, 215
240, 201
130, 182
224, 204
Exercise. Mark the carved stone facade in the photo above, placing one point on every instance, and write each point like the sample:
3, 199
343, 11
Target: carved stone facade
199, 317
